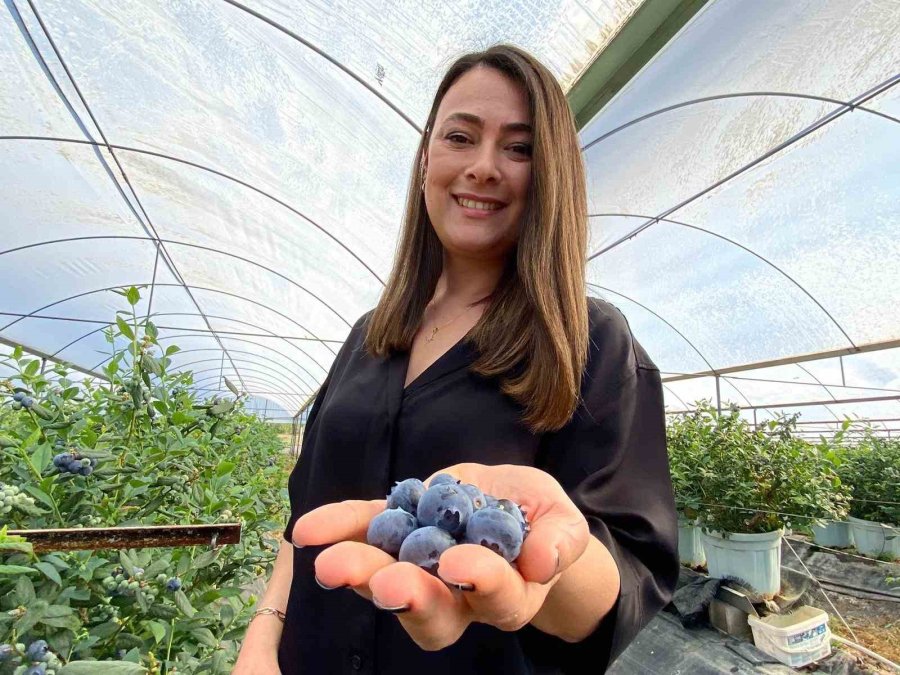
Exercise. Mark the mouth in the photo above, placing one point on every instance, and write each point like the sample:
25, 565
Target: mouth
472, 207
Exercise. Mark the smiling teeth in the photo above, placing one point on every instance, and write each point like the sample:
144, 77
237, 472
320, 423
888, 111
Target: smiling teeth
484, 206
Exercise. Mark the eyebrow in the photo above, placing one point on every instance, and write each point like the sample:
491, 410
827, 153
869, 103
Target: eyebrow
478, 122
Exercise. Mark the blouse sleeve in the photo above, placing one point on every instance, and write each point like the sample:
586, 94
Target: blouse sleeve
298, 477
611, 459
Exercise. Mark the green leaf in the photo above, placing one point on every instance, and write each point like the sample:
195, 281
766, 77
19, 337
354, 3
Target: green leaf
148, 363
126, 562
32, 368
17, 352
17, 569
104, 630
230, 385
24, 591
40, 495
50, 572
184, 564
172, 349
124, 328
204, 636
206, 558
158, 630
181, 600
41, 457
225, 468
150, 329
102, 668
133, 296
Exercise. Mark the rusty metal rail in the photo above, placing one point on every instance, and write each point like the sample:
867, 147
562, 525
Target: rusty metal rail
151, 536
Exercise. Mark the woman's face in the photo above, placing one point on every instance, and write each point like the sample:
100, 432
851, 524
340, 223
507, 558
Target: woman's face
480, 150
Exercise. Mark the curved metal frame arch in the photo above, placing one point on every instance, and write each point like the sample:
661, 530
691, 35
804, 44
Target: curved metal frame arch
233, 351
745, 94
176, 243
286, 375
699, 353
221, 174
255, 380
181, 369
745, 248
111, 288
830, 117
212, 290
680, 400
327, 57
223, 318
180, 335
277, 378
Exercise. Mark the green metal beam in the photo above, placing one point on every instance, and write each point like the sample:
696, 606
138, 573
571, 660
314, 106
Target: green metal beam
652, 25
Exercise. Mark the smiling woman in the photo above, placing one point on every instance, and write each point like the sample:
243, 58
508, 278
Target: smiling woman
484, 360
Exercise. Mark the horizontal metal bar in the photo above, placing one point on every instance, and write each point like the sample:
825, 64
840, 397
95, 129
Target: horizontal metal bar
150, 536
801, 404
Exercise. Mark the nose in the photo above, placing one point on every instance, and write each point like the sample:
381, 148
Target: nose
484, 167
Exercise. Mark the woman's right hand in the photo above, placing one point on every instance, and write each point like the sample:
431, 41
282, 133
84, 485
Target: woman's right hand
254, 663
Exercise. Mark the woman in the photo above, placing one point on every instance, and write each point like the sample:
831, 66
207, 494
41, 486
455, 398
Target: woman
483, 359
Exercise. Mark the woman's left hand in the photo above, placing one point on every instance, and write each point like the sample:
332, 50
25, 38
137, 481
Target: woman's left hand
483, 586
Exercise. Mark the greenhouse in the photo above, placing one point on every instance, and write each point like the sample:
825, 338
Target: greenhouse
199, 200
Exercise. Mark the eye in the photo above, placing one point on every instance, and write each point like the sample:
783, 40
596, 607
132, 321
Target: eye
522, 148
455, 135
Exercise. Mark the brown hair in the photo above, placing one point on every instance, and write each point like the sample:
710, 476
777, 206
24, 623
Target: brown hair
534, 334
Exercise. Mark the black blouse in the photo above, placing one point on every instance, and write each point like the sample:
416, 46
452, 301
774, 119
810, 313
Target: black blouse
365, 431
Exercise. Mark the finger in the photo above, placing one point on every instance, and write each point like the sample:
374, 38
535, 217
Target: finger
432, 614
336, 522
556, 540
350, 563
496, 593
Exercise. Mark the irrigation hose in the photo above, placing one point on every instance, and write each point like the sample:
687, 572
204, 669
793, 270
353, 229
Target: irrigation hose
867, 652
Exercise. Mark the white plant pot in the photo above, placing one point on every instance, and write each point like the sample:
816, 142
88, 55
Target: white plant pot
753, 560
690, 546
833, 535
875, 539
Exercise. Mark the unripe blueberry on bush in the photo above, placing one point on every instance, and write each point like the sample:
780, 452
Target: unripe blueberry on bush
6, 651
173, 584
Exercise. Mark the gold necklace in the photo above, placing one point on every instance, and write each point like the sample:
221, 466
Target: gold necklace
437, 328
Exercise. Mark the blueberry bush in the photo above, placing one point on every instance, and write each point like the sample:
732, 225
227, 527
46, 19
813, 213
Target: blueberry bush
137, 449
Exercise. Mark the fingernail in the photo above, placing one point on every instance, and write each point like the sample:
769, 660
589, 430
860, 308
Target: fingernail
328, 588
462, 587
392, 610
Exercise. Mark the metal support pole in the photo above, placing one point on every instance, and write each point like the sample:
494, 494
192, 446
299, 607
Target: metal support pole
718, 396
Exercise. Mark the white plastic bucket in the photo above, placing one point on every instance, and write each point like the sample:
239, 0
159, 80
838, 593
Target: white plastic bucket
690, 546
795, 639
833, 535
753, 559
875, 539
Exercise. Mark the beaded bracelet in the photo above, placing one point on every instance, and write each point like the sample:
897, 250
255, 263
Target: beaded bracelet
268, 610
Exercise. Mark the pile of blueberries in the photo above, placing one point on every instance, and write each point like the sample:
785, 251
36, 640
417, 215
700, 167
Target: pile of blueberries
419, 523
40, 660
72, 462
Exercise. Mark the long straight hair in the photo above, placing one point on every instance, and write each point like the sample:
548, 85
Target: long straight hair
533, 336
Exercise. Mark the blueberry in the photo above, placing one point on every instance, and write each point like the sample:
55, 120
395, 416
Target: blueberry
18, 396
424, 547
6, 651
63, 459
477, 496
496, 529
87, 470
445, 506
74, 466
173, 584
491, 501
443, 478
514, 510
37, 651
37, 669
389, 528
406, 494
27, 402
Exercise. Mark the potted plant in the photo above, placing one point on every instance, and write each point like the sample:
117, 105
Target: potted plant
751, 479
686, 437
832, 529
872, 468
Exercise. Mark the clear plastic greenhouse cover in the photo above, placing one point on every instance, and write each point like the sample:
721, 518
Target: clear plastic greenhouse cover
248, 164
